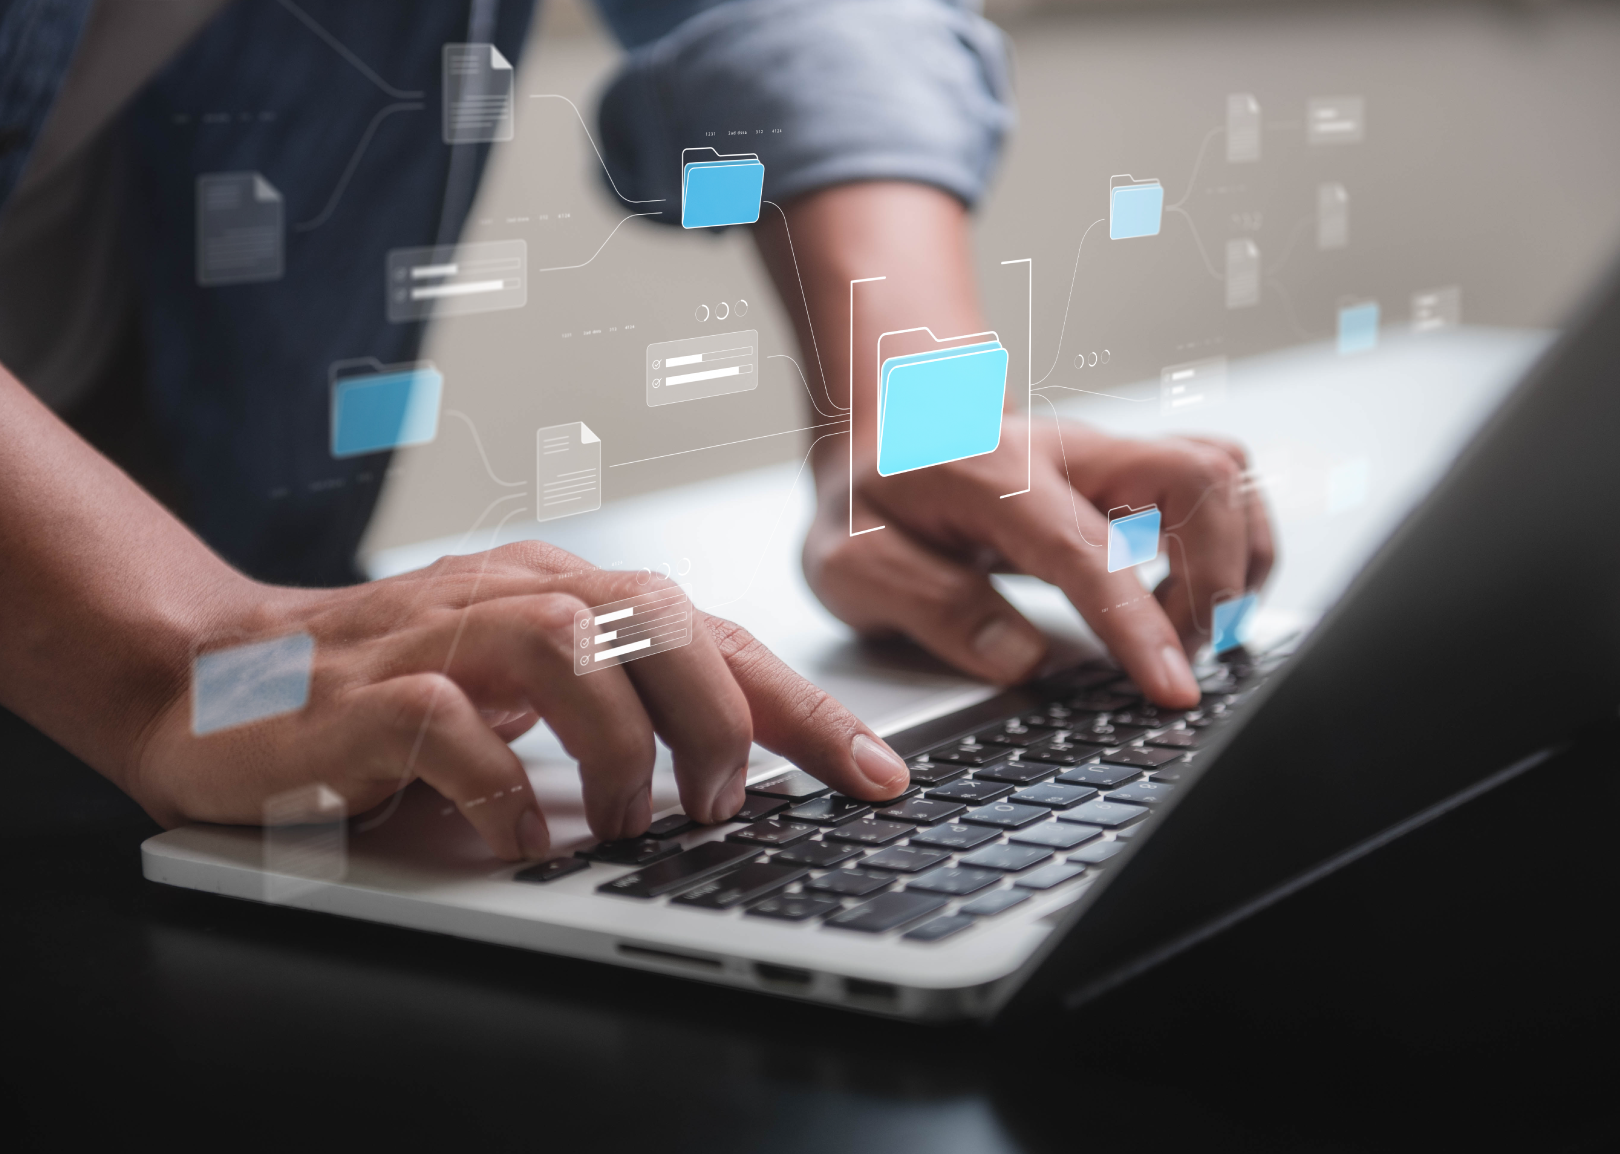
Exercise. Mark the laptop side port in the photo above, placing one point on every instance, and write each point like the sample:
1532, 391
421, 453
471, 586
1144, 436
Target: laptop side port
669, 957
784, 978
872, 993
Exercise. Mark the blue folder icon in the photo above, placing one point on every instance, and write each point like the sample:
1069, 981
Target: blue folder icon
1135, 207
1133, 539
938, 406
1358, 327
392, 406
1231, 621
719, 190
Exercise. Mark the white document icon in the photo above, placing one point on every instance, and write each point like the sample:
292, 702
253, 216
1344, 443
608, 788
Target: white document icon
569, 471
478, 90
1242, 273
1332, 216
1242, 128
239, 229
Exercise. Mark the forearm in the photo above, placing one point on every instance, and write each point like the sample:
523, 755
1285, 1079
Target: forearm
104, 593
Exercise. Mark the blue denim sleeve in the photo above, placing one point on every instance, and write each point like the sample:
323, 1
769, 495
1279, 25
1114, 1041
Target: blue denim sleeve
824, 91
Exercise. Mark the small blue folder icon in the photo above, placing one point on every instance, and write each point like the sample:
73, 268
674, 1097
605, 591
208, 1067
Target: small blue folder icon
1135, 207
1358, 327
396, 405
720, 190
1133, 539
940, 406
1231, 621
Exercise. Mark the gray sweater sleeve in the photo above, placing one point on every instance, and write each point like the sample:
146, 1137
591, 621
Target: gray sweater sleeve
860, 90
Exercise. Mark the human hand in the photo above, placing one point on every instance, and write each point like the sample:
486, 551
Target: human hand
429, 674
927, 574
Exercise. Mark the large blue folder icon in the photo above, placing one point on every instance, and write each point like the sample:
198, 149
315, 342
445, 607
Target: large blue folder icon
938, 406
719, 190
1133, 539
393, 406
1135, 207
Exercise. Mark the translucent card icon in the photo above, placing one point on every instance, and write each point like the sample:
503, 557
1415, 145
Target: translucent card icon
1135, 207
1242, 128
1332, 216
1192, 385
1133, 537
454, 279
1230, 624
305, 841
376, 407
1439, 308
569, 467
720, 189
1358, 327
941, 405
478, 90
239, 229
246, 683
640, 626
697, 367
1242, 273
1335, 120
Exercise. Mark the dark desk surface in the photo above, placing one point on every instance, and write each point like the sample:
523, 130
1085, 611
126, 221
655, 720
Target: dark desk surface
1456, 990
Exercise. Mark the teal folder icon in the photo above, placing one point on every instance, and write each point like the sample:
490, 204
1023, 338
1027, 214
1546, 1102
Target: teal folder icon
719, 190
941, 405
1231, 621
1135, 207
386, 408
1134, 538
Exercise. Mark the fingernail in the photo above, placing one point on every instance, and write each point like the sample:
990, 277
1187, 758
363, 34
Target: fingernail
1178, 675
880, 765
532, 837
1009, 650
637, 816
728, 799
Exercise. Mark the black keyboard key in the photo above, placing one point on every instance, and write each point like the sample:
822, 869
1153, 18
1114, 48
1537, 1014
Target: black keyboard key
995, 902
1142, 792
870, 831
1131, 831
1010, 858
674, 824
1005, 815
957, 881
1106, 776
1011, 737
1048, 876
755, 807
1176, 739
934, 773
888, 912
970, 791
910, 792
921, 811
1060, 753
694, 865
550, 871
773, 833
828, 811
1096, 852
796, 907
968, 755
1054, 795
849, 883
731, 890
1057, 834
939, 929
1016, 772
1107, 734
792, 785
818, 854
1109, 814
1142, 758
1171, 773
956, 837
636, 851
905, 859
1149, 716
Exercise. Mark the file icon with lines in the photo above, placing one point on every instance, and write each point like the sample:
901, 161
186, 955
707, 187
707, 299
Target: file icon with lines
239, 229
569, 470
478, 91
719, 190
940, 405
1135, 207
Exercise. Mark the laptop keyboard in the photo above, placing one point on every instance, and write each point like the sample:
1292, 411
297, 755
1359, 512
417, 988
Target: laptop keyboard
1032, 803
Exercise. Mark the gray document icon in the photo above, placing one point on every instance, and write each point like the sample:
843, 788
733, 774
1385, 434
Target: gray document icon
1332, 216
1242, 128
569, 471
1242, 273
239, 229
478, 90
